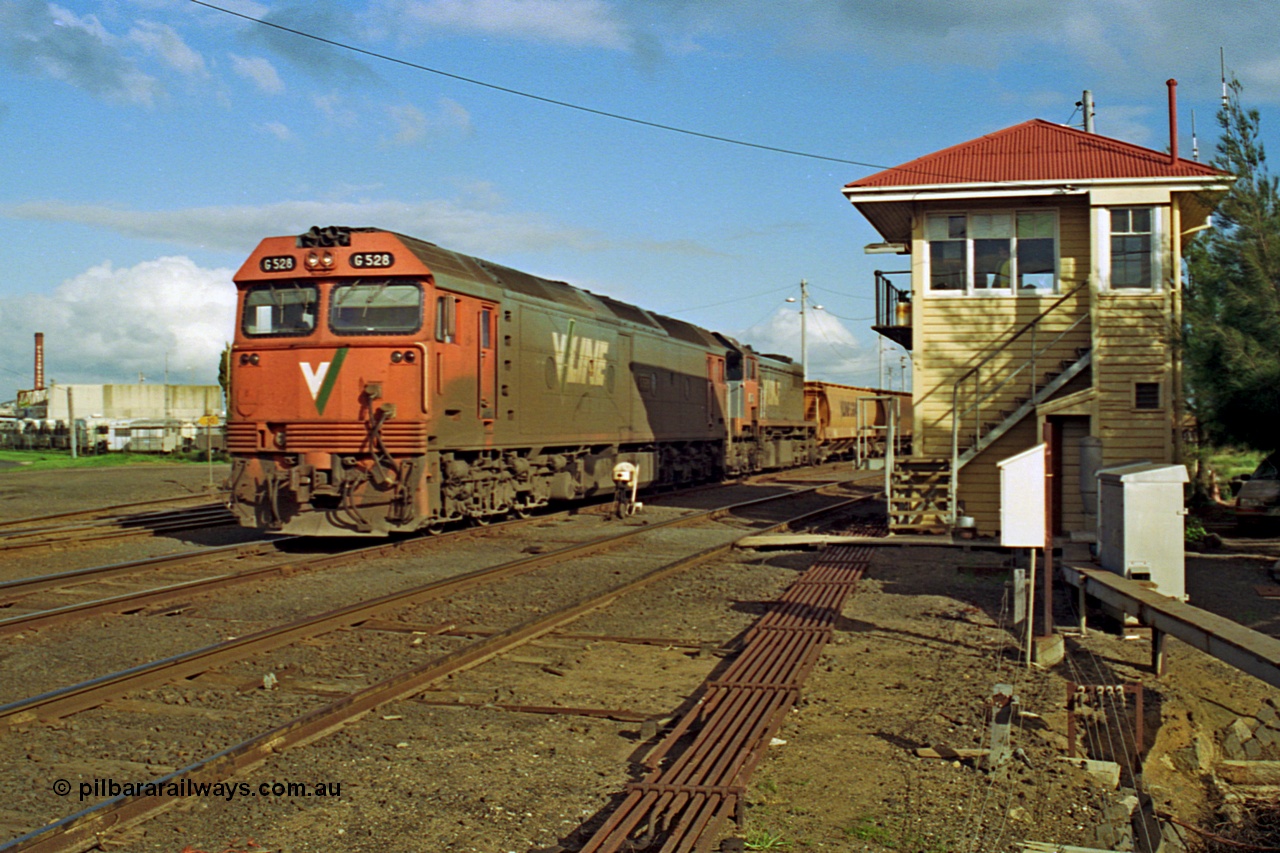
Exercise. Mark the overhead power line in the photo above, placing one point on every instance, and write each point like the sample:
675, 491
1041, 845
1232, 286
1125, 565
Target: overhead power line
542, 98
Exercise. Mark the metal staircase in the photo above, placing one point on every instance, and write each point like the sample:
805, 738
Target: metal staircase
919, 497
922, 491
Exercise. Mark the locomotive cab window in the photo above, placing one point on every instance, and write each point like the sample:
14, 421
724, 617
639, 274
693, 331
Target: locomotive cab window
281, 308
385, 307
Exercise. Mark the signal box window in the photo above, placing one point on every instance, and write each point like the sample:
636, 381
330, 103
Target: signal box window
376, 308
948, 261
283, 308
993, 252
1146, 395
1131, 248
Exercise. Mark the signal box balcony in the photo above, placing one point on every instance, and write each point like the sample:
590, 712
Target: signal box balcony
893, 307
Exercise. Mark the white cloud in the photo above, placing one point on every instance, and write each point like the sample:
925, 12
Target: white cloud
46, 40
460, 226
260, 71
333, 107
413, 126
165, 42
834, 354
279, 130
109, 324
582, 23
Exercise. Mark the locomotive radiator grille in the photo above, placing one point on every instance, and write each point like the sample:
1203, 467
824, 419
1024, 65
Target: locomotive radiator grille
403, 439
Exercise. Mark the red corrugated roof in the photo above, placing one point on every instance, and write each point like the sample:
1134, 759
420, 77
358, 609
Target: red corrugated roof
1036, 150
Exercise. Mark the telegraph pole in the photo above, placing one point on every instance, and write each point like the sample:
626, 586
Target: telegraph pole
804, 300
71, 416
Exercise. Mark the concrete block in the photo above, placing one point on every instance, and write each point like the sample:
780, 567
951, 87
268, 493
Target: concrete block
1106, 773
1241, 730
1249, 772
1048, 651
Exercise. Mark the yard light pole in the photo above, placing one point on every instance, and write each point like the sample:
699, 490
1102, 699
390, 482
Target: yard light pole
804, 300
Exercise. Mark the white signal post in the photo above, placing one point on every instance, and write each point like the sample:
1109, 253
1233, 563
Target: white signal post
209, 422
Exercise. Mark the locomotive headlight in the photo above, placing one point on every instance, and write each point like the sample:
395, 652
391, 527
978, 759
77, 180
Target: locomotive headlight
409, 356
326, 260
244, 358
280, 439
253, 359
313, 260
397, 357
247, 358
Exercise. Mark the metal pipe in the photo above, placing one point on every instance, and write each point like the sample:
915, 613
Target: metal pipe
39, 377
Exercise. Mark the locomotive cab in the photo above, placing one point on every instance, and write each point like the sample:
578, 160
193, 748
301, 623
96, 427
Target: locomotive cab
331, 391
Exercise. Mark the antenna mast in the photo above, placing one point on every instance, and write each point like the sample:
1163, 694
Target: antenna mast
1222, 66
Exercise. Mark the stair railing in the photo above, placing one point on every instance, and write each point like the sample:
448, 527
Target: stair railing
981, 396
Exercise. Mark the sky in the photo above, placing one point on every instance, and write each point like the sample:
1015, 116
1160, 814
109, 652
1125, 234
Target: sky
683, 155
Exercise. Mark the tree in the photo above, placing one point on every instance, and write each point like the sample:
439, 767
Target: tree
1232, 300
224, 375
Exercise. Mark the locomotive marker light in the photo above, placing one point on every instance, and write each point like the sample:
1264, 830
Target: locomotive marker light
320, 262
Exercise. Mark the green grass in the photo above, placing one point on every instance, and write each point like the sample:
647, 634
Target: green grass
48, 460
763, 839
866, 829
1230, 462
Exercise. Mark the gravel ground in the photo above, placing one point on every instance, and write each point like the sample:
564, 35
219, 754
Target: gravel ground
913, 663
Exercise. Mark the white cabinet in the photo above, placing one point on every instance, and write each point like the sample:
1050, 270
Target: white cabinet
1140, 524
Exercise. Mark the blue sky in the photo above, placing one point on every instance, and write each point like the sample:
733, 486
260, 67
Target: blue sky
149, 144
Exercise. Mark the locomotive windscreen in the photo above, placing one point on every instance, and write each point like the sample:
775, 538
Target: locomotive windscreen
282, 308
376, 307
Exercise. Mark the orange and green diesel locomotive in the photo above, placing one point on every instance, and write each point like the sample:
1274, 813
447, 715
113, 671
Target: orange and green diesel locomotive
381, 383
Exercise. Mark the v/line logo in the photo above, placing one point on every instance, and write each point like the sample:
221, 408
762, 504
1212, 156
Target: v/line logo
321, 378
579, 360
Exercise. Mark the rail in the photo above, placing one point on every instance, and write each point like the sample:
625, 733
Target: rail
87, 827
981, 395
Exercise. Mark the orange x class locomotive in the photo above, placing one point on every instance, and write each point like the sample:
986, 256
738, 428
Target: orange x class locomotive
381, 383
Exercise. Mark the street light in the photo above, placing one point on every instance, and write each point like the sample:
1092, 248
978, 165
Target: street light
804, 300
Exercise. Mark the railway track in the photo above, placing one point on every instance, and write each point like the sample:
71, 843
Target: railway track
34, 603
75, 529
445, 655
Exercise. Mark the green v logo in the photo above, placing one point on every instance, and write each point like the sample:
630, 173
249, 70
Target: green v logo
320, 379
